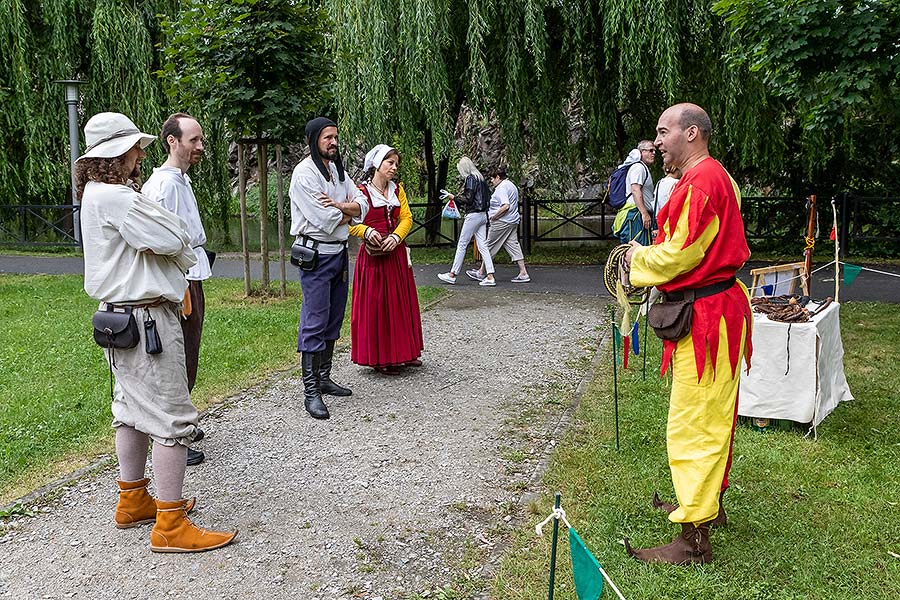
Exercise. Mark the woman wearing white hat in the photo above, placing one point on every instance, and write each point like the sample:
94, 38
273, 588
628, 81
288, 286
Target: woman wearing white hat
135, 256
385, 324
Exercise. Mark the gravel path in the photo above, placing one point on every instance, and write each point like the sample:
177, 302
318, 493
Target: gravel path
408, 489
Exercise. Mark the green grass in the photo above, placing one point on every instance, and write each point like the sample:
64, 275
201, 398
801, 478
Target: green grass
54, 382
810, 519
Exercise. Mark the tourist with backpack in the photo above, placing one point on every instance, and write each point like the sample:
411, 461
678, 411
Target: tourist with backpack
630, 189
474, 201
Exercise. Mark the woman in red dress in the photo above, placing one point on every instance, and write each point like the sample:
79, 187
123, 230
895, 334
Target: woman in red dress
385, 325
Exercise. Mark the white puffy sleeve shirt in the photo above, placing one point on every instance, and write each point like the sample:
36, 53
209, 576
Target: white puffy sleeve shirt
135, 251
172, 188
309, 217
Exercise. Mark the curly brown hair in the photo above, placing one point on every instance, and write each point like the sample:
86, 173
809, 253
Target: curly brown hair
104, 170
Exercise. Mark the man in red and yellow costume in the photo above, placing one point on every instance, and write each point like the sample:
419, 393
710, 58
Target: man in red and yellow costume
699, 249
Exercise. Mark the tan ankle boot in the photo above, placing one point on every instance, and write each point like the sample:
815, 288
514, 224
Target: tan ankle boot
174, 532
136, 506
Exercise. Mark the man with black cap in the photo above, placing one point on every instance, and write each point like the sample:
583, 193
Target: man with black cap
324, 200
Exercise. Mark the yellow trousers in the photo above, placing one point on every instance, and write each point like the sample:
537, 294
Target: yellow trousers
698, 434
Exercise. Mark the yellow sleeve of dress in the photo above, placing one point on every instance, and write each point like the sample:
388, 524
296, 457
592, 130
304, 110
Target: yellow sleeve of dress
359, 230
663, 262
405, 224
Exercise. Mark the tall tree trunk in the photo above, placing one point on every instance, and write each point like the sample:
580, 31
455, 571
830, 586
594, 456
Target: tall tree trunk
242, 190
263, 166
432, 211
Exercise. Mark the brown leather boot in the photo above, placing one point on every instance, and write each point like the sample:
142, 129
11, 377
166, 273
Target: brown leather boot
721, 519
174, 532
136, 506
691, 547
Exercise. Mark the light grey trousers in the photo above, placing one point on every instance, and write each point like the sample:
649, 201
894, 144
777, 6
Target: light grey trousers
474, 225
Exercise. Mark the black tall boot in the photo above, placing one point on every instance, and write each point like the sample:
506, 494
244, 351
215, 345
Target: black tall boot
312, 397
326, 385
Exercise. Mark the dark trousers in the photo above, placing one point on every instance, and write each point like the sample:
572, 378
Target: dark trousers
192, 327
324, 301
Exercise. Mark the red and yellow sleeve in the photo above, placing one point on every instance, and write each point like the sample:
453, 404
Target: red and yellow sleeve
687, 234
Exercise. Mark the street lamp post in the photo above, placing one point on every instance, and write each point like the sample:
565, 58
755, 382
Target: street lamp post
71, 86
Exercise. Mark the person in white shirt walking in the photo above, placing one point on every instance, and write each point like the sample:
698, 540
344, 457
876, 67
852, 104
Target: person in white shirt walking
170, 185
135, 256
503, 230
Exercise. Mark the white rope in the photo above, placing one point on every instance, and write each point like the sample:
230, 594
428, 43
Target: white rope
558, 513
611, 584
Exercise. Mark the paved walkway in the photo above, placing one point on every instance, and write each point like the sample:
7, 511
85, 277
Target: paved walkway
566, 279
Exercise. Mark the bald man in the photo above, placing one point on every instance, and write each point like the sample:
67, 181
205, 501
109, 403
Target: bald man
697, 252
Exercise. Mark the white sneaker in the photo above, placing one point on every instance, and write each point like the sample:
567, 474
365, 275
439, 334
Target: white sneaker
487, 282
521, 279
475, 274
447, 278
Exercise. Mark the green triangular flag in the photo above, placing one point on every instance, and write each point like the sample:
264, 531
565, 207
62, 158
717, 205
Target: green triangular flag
850, 273
585, 569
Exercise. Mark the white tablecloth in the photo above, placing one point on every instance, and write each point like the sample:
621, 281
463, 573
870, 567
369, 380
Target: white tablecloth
797, 369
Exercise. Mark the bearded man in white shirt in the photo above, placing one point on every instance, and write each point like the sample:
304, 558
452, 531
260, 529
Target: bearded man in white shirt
324, 202
182, 137
135, 257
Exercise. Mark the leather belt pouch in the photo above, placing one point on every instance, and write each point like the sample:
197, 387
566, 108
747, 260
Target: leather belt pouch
115, 327
304, 257
671, 320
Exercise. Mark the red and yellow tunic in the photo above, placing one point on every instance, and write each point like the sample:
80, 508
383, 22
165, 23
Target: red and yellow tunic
700, 242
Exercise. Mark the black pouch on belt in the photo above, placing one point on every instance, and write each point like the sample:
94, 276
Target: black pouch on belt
305, 257
152, 343
671, 318
114, 327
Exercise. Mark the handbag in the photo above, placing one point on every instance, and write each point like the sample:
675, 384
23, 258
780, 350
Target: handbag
115, 327
671, 320
304, 257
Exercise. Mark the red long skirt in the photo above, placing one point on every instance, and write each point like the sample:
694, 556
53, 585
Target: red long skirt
385, 324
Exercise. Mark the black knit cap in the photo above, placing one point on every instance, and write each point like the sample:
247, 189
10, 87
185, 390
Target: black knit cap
313, 131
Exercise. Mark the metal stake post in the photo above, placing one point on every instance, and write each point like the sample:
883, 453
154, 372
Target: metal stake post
553, 549
612, 321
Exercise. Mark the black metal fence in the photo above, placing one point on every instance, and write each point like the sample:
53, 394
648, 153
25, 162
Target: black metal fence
38, 225
867, 225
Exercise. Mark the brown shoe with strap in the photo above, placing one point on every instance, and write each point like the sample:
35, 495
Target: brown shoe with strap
689, 548
136, 506
174, 531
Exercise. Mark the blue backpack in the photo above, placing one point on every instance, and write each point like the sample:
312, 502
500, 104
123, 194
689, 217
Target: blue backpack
617, 192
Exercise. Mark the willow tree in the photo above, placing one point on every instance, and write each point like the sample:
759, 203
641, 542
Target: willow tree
256, 68
603, 68
108, 43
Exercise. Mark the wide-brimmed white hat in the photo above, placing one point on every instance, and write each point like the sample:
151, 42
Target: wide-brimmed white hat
111, 134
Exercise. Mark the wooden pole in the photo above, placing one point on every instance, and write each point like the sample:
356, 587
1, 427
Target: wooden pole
837, 251
262, 164
810, 242
242, 190
280, 219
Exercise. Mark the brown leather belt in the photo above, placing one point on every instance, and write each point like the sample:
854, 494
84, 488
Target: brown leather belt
152, 304
700, 292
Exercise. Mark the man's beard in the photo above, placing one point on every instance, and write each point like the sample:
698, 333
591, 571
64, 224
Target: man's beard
330, 154
135, 173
